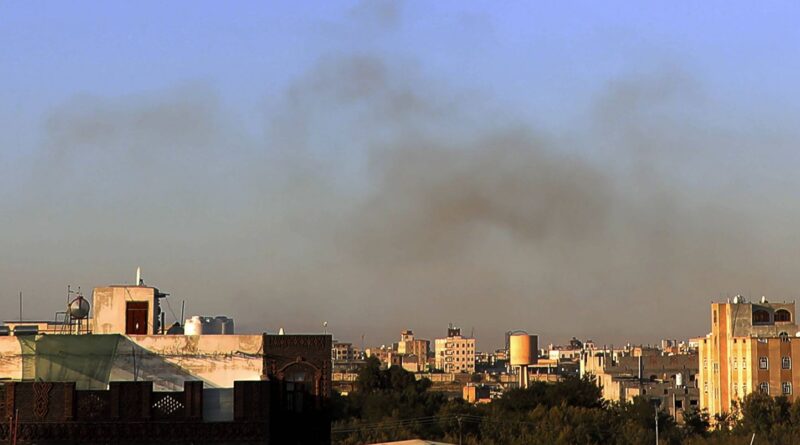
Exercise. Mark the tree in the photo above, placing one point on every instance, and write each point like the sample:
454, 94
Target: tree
695, 422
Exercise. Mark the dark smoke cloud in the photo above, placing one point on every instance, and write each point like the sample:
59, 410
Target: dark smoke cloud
379, 199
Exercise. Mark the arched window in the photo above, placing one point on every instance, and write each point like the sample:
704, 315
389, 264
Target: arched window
783, 315
301, 380
760, 316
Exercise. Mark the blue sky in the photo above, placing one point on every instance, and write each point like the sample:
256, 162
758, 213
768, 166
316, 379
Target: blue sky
172, 121
544, 58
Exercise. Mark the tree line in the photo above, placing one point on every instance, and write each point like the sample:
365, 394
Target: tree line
391, 404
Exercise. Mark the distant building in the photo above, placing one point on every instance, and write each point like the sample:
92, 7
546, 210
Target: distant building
750, 348
455, 353
477, 393
669, 381
342, 352
418, 348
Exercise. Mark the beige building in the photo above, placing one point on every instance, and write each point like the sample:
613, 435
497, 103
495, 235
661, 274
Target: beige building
127, 344
418, 348
455, 353
131, 310
751, 347
342, 352
667, 380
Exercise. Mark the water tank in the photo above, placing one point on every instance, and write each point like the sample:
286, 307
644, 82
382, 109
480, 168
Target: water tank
523, 349
26, 330
211, 326
175, 329
193, 326
225, 324
78, 308
679, 379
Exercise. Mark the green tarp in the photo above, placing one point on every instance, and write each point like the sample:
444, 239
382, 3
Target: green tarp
83, 359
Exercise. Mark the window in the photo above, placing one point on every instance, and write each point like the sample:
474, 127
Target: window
734, 363
763, 363
705, 363
760, 316
764, 387
782, 315
786, 363
693, 402
679, 404
705, 387
784, 337
744, 364
744, 389
787, 388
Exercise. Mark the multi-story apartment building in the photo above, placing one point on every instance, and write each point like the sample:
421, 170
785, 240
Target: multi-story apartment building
667, 380
455, 353
750, 348
342, 352
409, 346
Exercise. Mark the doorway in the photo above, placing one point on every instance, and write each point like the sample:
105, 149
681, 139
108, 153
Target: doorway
136, 318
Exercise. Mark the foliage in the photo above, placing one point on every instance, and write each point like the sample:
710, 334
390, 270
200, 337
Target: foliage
393, 405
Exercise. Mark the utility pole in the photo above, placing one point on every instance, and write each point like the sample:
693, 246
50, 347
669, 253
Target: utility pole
459, 429
656, 409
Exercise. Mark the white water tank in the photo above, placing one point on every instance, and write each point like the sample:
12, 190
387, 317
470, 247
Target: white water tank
193, 326
679, 379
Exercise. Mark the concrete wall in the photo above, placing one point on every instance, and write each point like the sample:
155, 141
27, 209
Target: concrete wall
10, 359
109, 307
169, 360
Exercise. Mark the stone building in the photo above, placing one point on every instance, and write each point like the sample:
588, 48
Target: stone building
751, 347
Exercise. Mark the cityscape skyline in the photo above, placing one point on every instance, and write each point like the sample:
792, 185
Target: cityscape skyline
390, 165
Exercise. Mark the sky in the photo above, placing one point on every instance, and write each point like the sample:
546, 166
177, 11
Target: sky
594, 169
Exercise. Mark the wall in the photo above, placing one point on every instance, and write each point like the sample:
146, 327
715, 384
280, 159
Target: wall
108, 308
170, 360
10, 358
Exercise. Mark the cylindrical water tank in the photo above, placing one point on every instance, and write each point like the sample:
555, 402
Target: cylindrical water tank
211, 326
79, 308
679, 379
225, 324
193, 326
524, 349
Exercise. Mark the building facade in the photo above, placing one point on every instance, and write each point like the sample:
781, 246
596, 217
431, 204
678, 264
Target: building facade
415, 348
342, 352
455, 353
751, 347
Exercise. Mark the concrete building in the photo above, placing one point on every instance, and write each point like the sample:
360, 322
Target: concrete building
477, 393
342, 352
751, 347
117, 350
287, 377
455, 353
410, 346
669, 381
